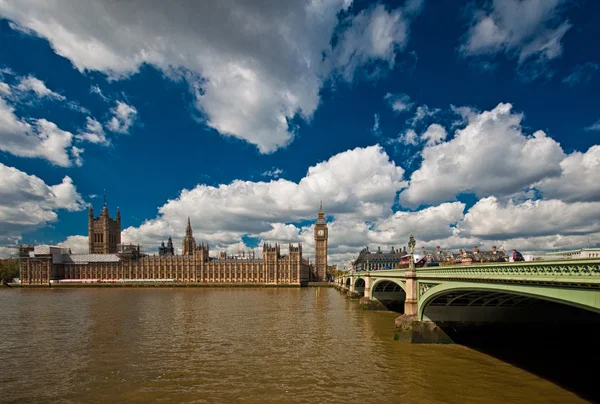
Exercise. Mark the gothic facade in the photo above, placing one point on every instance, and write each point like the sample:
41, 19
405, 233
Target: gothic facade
104, 233
166, 250
122, 263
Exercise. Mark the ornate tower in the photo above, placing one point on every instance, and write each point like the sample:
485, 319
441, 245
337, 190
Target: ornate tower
189, 244
320, 273
104, 233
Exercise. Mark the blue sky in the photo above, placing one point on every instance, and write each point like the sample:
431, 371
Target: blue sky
465, 124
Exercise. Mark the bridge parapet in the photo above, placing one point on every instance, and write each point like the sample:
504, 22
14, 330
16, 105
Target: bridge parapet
585, 271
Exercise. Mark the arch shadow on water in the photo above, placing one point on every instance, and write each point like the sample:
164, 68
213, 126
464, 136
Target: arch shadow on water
555, 341
390, 294
359, 286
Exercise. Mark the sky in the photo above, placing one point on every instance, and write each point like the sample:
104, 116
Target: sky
463, 123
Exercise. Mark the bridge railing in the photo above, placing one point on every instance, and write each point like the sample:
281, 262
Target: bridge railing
582, 270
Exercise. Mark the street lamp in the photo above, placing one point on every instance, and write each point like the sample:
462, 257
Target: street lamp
411, 245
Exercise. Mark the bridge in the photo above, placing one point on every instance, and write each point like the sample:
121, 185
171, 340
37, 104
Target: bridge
435, 300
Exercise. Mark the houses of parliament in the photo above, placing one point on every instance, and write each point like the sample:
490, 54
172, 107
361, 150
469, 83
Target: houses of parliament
109, 261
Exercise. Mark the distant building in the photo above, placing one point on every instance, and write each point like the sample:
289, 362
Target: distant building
575, 254
397, 258
25, 249
368, 260
168, 250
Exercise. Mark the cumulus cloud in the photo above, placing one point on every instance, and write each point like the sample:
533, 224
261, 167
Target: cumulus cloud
375, 34
409, 137
123, 117
38, 87
5, 90
77, 244
358, 184
422, 112
399, 102
434, 134
41, 139
252, 66
490, 218
93, 133
490, 156
528, 30
27, 202
578, 180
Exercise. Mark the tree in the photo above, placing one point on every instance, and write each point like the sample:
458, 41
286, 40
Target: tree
9, 269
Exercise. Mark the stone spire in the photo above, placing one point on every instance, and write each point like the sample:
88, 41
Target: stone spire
321, 216
105, 208
188, 229
189, 244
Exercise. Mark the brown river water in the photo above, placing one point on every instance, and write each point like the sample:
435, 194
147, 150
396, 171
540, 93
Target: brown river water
230, 345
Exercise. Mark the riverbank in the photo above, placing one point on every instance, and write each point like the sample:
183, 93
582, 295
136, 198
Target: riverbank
166, 285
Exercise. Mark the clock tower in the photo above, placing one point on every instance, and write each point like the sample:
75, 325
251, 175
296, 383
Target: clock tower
320, 271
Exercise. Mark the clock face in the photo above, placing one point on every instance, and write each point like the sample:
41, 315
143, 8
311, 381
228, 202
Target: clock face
320, 232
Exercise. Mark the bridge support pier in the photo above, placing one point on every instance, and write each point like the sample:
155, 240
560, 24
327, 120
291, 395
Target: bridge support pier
366, 302
351, 293
409, 329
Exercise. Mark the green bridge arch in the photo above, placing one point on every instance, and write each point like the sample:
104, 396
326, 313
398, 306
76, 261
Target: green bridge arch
587, 299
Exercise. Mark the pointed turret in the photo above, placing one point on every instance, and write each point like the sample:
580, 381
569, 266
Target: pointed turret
189, 244
118, 217
91, 211
188, 229
321, 215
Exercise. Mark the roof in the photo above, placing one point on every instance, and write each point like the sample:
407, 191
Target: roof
84, 258
45, 249
573, 251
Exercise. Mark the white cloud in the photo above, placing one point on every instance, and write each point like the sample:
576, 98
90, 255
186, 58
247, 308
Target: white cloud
273, 173
252, 66
528, 30
77, 244
96, 90
27, 203
5, 90
409, 137
434, 134
490, 218
578, 180
399, 102
76, 152
421, 113
594, 127
375, 34
359, 184
123, 117
42, 139
94, 133
38, 87
490, 156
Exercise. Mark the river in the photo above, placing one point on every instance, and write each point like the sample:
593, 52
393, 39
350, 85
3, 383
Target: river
225, 345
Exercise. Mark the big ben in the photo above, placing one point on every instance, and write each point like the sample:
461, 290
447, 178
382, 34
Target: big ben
320, 273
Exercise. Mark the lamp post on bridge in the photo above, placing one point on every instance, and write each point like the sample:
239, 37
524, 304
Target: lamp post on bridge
410, 304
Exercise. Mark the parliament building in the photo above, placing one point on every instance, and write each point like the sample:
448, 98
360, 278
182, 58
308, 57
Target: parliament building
109, 261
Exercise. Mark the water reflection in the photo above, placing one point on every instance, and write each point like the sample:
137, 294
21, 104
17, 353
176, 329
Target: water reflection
226, 345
